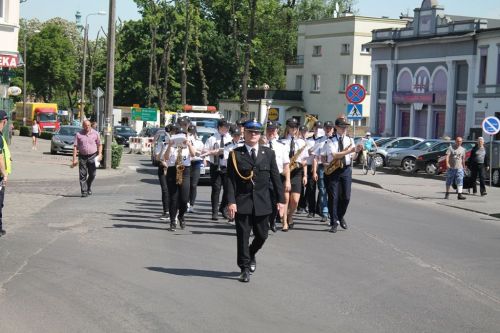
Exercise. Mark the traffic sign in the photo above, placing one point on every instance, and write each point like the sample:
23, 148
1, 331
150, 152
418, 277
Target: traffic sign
355, 93
355, 111
149, 114
491, 125
273, 114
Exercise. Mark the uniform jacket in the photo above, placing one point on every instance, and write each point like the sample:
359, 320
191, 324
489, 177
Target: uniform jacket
247, 195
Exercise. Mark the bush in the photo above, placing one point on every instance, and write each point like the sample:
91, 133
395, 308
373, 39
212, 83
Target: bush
116, 155
46, 135
24, 131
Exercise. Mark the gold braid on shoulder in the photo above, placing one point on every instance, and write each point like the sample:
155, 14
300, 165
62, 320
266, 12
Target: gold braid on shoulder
233, 157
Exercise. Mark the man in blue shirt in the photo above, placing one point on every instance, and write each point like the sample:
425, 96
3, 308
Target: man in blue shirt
368, 144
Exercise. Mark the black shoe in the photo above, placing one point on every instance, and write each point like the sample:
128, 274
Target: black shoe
89, 192
84, 194
245, 275
182, 222
323, 218
299, 211
172, 226
343, 224
2, 232
310, 215
460, 196
333, 229
214, 217
272, 226
483, 194
253, 264
447, 195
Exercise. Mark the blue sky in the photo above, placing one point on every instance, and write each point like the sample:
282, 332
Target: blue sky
126, 9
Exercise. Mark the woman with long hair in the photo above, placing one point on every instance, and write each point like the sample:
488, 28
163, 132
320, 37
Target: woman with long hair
35, 134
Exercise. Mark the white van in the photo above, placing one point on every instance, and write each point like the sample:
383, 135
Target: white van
202, 119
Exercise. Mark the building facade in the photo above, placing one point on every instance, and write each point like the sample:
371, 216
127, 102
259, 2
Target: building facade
425, 74
330, 56
9, 29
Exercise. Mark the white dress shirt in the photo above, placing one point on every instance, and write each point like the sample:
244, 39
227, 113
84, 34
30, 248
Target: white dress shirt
331, 147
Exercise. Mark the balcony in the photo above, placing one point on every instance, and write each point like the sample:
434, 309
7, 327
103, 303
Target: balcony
298, 61
284, 95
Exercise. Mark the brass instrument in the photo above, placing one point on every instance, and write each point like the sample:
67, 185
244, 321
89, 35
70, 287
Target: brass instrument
310, 121
179, 166
293, 160
336, 163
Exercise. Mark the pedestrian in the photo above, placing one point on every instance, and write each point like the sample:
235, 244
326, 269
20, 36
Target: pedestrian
324, 197
178, 157
5, 166
369, 145
214, 148
197, 162
35, 134
251, 169
161, 148
455, 163
282, 160
228, 148
89, 149
297, 152
479, 163
338, 182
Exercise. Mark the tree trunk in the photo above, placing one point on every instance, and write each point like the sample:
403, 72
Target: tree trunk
184, 57
289, 52
152, 56
199, 61
246, 72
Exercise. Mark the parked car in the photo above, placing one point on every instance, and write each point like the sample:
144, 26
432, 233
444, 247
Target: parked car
123, 133
149, 132
63, 139
391, 146
429, 161
405, 158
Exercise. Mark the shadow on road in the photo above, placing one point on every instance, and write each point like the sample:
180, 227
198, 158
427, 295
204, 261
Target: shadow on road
196, 272
135, 226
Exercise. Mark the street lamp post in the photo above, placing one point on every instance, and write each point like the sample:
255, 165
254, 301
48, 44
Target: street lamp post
85, 40
25, 74
110, 83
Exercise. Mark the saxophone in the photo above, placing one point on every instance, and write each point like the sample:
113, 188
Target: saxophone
335, 164
179, 166
293, 160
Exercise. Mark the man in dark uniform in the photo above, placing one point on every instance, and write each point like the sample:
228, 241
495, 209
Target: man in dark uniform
250, 170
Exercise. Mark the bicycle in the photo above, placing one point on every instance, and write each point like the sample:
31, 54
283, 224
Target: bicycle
369, 163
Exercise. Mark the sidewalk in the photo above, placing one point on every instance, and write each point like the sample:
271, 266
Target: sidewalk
431, 189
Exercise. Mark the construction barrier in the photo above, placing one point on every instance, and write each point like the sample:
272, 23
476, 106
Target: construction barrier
140, 145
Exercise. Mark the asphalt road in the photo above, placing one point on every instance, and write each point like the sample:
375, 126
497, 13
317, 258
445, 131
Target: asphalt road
108, 264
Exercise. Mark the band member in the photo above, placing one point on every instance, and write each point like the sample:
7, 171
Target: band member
297, 152
228, 148
178, 157
340, 148
313, 143
282, 160
318, 173
162, 171
196, 165
214, 148
251, 168
302, 207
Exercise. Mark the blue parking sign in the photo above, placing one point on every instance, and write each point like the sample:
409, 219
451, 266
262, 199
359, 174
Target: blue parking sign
491, 125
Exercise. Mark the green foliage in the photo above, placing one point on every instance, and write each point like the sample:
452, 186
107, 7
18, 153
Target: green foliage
46, 135
116, 155
24, 131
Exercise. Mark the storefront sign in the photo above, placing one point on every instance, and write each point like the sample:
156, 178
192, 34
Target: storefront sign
410, 98
8, 60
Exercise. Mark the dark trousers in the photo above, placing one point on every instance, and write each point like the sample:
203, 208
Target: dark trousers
303, 195
178, 195
476, 171
274, 204
195, 178
87, 170
164, 189
322, 201
2, 196
244, 224
339, 192
310, 194
218, 180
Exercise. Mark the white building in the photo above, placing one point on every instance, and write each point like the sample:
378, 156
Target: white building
9, 29
331, 56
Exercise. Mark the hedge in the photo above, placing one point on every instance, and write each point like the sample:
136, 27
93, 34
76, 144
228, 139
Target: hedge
46, 135
116, 155
24, 131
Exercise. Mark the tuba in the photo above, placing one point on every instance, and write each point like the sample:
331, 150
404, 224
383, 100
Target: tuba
335, 164
179, 166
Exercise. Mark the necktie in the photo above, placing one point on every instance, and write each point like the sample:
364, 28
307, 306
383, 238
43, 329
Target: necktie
271, 144
341, 148
292, 148
221, 157
254, 157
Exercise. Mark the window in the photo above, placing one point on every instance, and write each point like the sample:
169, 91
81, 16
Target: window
363, 80
346, 49
483, 62
317, 51
298, 82
498, 66
344, 81
315, 84
365, 50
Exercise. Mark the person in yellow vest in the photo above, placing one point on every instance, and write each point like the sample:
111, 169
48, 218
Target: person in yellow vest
5, 166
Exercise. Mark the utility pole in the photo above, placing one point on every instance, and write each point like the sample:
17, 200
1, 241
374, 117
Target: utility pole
110, 85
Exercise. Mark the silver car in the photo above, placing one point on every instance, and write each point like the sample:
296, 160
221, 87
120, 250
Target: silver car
405, 158
392, 146
63, 139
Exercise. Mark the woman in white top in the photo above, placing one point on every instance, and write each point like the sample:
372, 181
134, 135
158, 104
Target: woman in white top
35, 134
178, 158
197, 163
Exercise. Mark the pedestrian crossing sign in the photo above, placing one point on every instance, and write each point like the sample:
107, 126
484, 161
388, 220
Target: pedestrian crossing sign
355, 111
